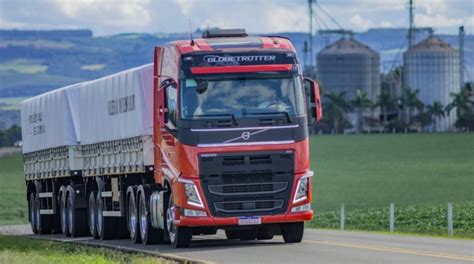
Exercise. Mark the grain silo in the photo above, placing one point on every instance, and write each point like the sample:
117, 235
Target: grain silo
348, 65
432, 67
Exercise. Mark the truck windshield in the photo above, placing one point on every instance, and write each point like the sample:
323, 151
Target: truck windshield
239, 97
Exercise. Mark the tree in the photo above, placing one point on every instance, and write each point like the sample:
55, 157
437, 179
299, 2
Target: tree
463, 104
435, 112
360, 103
336, 109
385, 102
410, 102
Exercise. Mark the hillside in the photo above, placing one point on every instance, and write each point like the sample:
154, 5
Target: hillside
33, 62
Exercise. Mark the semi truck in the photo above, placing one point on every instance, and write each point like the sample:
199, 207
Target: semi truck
213, 135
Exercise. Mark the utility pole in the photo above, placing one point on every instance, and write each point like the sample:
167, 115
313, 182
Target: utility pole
310, 36
411, 35
461, 54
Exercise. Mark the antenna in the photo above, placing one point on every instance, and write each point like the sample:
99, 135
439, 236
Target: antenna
191, 33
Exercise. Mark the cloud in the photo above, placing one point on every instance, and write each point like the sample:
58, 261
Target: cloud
116, 16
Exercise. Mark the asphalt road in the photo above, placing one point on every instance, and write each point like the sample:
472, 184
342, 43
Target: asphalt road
318, 246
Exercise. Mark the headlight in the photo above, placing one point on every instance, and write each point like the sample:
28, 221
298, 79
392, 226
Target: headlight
192, 194
302, 187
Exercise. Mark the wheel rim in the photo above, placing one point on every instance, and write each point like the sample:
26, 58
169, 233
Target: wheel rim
92, 214
169, 221
70, 214
37, 215
63, 215
132, 221
32, 213
143, 220
99, 215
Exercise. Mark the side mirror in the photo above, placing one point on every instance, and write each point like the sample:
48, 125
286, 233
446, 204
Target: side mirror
167, 82
314, 104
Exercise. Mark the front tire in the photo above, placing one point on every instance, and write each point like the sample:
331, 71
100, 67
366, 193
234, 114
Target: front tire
292, 232
180, 237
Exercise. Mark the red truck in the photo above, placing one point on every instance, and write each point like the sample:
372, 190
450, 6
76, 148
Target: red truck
213, 135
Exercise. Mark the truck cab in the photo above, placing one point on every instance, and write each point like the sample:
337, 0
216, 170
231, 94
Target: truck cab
231, 148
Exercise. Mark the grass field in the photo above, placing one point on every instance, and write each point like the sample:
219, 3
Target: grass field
370, 171
13, 205
11, 103
366, 171
15, 249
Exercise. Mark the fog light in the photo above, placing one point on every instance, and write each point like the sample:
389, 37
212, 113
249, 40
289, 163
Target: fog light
301, 208
194, 213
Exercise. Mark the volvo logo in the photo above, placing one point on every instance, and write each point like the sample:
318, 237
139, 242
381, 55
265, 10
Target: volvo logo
245, 135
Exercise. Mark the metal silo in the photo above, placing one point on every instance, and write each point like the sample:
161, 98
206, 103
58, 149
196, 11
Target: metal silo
432, 67
348, 65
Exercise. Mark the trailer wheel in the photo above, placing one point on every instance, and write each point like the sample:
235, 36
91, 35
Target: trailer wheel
132, 214
180, 237
63, 211
32, 209
106, 226
92, 215
292, 232
76, 216
148, 234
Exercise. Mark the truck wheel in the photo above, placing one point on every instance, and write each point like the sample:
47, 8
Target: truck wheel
132, 214
43, 222
63, 211
106, 226
32, 208
292, 232
76, 217
148, 234
232, 234
180, 237
92, 215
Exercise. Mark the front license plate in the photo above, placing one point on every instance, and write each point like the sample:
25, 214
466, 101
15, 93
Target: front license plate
250, 220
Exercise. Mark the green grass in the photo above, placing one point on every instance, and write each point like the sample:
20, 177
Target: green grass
371, 171
428, 219
13, 204
15, 249
23, 66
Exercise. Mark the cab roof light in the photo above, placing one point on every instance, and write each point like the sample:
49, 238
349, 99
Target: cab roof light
224, 33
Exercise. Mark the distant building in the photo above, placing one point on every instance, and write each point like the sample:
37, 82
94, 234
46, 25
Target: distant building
432, 67
348, 65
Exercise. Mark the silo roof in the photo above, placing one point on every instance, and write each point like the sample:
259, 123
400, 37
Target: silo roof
431, 44
347, 46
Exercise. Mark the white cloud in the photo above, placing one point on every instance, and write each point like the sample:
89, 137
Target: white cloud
361, 23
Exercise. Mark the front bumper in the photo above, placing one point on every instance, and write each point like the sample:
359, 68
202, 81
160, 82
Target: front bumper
227, 221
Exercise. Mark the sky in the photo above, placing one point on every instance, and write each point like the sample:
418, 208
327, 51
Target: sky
107, 17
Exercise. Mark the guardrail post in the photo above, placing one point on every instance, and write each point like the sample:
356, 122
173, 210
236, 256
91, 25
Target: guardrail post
450, 219
342, 217
392, 217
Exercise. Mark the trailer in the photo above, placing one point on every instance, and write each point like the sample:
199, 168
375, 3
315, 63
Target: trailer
212, 135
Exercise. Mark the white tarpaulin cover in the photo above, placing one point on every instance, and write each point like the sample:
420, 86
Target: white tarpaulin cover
115, 107
118, 106
51, 120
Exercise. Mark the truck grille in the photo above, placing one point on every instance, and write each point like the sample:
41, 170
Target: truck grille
247, 184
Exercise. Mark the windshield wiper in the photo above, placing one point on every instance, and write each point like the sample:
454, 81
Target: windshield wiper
217, 115
288, 117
